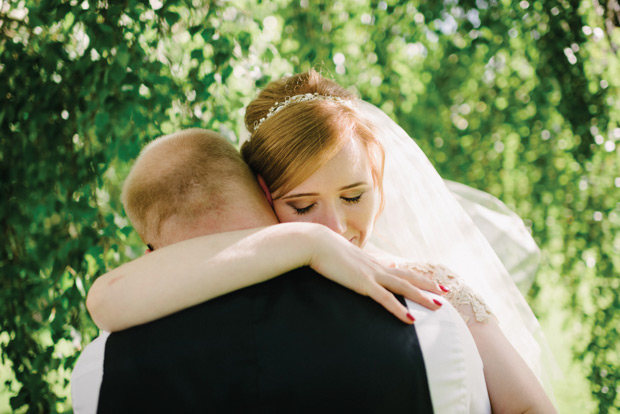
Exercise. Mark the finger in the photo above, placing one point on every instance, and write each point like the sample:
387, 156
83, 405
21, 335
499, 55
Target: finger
389, 302
412, 293
425, 271
420, 281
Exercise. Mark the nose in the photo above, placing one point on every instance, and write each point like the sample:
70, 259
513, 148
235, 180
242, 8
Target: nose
334, 218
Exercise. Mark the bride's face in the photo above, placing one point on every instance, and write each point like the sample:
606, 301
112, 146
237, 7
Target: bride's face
340, 195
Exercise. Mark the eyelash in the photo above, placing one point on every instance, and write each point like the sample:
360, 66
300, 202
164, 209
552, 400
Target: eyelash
302, 211
349, 200
353, 200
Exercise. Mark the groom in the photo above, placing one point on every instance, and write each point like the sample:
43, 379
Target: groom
296, 343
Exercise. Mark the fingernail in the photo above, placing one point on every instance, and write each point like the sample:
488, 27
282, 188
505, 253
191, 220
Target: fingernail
410, 316
445, 289
438, 303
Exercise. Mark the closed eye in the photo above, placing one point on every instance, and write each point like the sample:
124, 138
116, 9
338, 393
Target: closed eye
303, 210
353, 200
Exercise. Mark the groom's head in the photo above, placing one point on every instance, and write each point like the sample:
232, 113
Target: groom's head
189, 184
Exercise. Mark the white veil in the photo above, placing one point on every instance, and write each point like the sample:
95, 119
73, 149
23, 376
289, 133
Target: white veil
423, 221
504, 230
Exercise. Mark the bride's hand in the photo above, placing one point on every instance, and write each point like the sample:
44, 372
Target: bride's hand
348, 265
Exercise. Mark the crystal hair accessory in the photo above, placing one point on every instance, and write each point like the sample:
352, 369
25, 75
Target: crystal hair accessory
290, 100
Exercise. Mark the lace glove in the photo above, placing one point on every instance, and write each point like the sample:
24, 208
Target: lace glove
467, 302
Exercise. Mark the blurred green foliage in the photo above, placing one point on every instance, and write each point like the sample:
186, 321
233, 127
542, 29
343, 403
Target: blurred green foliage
516, 98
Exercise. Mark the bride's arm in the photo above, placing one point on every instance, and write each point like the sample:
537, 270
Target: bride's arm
513, 387
190, 272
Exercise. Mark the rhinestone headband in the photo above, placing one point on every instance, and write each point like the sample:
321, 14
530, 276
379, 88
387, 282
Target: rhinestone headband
290, 100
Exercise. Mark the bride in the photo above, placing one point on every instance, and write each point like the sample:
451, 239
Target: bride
299, 126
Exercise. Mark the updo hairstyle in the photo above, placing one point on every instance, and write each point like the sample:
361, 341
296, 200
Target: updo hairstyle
290, 145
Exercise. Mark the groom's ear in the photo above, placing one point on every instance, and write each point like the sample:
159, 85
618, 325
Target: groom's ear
263, 186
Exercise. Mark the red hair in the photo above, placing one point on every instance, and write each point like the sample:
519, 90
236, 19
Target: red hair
292, 144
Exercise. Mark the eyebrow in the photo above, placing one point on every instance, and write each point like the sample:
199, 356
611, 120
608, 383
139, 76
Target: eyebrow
346, 187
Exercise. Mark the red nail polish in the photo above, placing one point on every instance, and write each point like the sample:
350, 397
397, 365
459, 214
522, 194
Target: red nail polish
410, 316
438, 303
445, 289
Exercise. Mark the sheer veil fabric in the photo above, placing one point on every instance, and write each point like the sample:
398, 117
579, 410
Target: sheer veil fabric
423, 221
504, 230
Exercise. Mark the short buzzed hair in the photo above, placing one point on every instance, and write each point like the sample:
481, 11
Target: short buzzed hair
186, 175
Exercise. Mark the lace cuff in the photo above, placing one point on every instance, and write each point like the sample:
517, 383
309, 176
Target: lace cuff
466, 301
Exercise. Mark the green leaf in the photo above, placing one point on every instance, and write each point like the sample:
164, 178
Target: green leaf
171, 17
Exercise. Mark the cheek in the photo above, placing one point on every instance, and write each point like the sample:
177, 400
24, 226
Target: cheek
363, 223
281, 212
367, 220
366, 215
375, 204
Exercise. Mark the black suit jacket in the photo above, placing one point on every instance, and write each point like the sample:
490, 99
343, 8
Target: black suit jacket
297, 343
